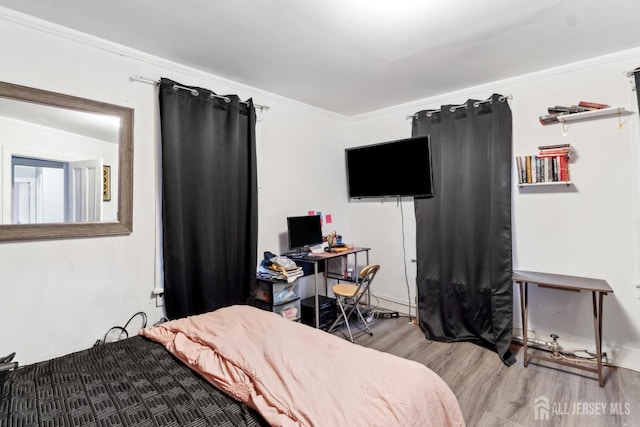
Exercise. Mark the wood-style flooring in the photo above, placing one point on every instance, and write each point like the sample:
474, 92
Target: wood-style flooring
491, 394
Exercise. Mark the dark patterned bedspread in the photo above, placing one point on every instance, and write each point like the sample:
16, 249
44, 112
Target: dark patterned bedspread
134, 382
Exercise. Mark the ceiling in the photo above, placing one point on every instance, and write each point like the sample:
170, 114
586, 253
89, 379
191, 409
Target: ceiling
356, 56
101, 127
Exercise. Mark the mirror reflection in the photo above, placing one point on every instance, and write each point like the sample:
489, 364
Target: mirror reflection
66, 166
53, 164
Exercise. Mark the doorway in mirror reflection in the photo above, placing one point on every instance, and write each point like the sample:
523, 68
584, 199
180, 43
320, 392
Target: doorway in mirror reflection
47, 191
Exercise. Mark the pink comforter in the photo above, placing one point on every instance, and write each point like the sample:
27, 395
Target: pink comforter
297, 375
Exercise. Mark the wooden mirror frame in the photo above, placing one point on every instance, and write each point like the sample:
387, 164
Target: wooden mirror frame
124, 223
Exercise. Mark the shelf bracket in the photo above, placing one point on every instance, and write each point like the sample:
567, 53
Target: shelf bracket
619, 118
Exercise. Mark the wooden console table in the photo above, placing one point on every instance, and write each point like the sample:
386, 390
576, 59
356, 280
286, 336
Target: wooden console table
597, 287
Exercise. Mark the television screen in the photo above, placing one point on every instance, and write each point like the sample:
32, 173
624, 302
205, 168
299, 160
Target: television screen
390, 169
304, 231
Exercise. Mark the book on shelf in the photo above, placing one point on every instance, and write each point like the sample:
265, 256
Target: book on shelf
595, 105
555, 153
561, 110
563, 163
551, 164
555, 150
553, 147
550, 118
572, 109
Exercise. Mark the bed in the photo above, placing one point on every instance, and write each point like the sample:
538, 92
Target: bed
235, 366
133, 382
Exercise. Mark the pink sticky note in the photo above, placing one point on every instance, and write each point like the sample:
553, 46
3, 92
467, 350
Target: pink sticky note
328, 218
311, 213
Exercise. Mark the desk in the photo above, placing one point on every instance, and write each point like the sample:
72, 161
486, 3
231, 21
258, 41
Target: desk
317, 258
597, 287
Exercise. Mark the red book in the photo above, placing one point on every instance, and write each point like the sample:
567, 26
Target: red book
554, 147
553, 153
592, 105
564, 168
549, 118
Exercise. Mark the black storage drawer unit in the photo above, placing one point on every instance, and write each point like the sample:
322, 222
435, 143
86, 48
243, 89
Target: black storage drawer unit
327, 311
279, 297
289, 310
275, 292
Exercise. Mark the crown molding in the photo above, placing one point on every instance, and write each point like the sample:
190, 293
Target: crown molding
262, 97
435, 101
259, 96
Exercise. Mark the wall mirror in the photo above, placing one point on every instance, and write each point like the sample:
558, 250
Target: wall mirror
66, 166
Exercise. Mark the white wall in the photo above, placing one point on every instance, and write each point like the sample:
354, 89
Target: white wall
41, 142
60, 296
589, 229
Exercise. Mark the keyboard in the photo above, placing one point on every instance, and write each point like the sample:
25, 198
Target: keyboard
297, 256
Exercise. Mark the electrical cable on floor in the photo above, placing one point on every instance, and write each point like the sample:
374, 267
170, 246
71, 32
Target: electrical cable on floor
584, 360
569, 355
378, 312
117, 333
395, 302
144, 319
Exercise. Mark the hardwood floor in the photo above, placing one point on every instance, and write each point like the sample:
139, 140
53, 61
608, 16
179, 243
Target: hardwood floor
492, 394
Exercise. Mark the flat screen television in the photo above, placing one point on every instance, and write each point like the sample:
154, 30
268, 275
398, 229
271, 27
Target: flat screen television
304, 231
399, 168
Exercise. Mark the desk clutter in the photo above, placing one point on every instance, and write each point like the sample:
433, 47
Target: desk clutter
279, 268
277, 290
335, 244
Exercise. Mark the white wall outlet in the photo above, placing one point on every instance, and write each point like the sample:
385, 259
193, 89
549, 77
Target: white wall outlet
159, 294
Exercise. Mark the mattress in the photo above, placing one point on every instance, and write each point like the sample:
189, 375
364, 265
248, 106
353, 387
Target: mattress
295, 375
134, 382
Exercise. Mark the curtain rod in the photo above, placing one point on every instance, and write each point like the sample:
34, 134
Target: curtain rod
194, 92
453, 108
632, 72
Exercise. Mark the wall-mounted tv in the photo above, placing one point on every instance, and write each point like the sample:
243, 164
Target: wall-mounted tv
398, 168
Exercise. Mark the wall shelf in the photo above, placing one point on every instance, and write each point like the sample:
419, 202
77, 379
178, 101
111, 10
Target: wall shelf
540, 184
591, 114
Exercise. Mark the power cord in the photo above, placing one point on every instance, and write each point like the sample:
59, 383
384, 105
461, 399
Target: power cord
409, 306
384, 314
404, 258
117, 333
144, 319
558, 352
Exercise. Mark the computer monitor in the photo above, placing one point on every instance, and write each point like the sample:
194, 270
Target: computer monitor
304, 231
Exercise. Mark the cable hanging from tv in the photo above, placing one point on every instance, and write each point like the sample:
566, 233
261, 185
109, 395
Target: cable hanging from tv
453, 108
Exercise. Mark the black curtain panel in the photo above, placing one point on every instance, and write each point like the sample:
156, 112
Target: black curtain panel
463, 233
209, 199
